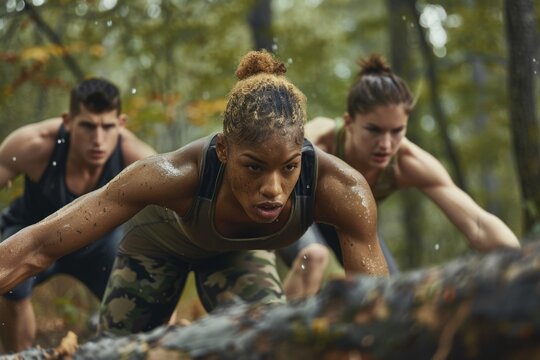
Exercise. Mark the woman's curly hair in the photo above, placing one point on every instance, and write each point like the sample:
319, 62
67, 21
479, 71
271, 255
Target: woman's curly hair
263, 101
377, 85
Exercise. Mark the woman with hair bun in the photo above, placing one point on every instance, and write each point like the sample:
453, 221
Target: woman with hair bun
371, 138
217, 206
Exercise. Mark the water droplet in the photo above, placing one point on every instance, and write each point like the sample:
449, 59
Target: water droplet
436, 247
308, 186
14, 158
54, 163
303, 267
133, 91
59, 141
109, 23
289, 61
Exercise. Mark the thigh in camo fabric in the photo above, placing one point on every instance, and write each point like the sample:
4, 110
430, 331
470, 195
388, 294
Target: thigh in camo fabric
141, 294
246, 276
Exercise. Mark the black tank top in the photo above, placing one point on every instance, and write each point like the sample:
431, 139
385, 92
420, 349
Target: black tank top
196, 221
50, 193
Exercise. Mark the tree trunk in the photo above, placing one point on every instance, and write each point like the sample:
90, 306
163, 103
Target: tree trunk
476, 307
400, 58
436, 105
520, 33
260, 21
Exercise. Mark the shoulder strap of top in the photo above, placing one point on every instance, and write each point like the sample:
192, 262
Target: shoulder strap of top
210, 169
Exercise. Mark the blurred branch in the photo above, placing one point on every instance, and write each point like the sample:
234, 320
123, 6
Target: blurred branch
54, 38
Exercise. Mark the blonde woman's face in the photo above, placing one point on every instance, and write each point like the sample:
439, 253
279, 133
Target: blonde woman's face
376, 136
262, 177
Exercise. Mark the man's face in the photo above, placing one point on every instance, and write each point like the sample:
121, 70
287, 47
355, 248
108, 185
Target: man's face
377, 135
262, 177
93, 136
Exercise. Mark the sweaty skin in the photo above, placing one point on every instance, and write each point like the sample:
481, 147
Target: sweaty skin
260, 180
373, 139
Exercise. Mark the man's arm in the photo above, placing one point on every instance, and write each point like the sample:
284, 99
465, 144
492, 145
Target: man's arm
483, 230
344, 200
134, 148
148, 181
27, 149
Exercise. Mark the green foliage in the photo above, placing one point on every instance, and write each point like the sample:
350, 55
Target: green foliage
175, 62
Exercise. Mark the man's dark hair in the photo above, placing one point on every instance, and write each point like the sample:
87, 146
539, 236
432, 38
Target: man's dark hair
97, 95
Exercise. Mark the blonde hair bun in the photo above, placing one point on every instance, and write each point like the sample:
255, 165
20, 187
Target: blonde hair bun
257, 62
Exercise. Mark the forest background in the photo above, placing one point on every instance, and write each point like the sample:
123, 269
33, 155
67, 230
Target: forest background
471, 67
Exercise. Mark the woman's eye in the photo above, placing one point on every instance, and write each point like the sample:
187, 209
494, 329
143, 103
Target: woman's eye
291, 167
253, 167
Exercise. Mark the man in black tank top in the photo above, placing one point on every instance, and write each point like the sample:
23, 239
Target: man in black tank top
62, 159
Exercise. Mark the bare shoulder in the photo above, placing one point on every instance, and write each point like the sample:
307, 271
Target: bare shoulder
134, 148
30, 146
320, 131
340, 189
418, 168
169, 179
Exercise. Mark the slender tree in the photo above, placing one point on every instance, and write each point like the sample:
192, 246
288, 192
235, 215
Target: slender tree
260, 21
400, 56
435, 97
520, 35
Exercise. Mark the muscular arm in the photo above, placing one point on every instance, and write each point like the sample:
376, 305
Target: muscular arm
483, 230
344, 200
134, 148
27, 149
168, 180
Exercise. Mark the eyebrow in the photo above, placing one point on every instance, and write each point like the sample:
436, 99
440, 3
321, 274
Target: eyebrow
255, 158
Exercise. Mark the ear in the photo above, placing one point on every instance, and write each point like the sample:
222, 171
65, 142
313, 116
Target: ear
122, 120
67, 120
347, 119
221, 148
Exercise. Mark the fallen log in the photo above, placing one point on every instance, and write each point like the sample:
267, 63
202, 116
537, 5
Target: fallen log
476, 307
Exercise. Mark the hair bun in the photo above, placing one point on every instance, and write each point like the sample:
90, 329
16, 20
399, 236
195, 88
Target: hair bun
375, 64
257, 62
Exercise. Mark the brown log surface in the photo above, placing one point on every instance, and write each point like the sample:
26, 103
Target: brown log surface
476, 307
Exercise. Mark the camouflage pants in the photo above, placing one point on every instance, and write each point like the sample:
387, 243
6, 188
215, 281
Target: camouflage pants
143, 291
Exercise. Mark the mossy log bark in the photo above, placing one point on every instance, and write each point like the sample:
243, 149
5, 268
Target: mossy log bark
476, 307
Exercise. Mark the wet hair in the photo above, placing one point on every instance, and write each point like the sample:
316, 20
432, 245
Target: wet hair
97, 95
376, 85
263, 101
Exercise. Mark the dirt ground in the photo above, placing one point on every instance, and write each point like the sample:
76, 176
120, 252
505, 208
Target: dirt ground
63, 305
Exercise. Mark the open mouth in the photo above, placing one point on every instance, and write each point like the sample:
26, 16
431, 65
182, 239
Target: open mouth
380, 158
269, 211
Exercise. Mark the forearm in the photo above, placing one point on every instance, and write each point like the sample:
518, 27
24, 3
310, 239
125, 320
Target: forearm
19, 260
492, 233
364, 258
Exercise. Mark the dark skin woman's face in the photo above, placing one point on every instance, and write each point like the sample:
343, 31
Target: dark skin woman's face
261, 177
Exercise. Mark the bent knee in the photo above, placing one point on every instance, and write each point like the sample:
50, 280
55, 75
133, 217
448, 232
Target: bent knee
313, 256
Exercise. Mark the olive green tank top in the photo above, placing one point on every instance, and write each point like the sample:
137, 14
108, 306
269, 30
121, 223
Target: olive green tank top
160, 231
386, 183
